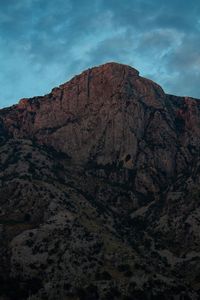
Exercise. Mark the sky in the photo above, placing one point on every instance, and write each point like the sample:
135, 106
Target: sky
44, 43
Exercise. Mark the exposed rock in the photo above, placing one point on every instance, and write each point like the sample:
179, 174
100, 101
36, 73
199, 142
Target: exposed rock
99, 191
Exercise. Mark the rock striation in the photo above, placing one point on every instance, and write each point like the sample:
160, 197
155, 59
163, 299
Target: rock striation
99, 191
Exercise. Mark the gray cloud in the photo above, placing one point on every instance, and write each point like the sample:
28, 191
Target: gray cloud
44, 43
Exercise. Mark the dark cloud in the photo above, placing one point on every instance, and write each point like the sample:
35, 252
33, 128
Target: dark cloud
44, 43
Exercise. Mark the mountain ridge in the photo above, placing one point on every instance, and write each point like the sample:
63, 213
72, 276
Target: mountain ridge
99, 191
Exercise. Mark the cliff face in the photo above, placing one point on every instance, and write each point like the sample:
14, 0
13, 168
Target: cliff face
108, 165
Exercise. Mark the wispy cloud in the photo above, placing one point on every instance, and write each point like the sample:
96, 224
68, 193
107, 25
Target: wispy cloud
44, 43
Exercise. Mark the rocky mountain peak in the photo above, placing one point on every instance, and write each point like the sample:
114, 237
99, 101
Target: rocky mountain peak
116, 68
99, 191
85, 107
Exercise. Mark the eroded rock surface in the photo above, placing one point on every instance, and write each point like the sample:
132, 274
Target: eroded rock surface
99, 191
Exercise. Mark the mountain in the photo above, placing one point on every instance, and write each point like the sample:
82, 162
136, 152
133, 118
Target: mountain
99, 191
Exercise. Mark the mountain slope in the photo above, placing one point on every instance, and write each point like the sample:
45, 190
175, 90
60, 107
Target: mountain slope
99, 191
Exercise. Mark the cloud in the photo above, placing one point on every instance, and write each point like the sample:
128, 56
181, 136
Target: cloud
44, 43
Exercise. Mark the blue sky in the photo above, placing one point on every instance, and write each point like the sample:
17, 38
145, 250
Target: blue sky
43, 43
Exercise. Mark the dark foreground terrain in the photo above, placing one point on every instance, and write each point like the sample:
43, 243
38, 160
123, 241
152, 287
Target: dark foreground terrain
99, 192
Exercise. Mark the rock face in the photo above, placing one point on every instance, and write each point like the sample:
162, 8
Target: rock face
99, 191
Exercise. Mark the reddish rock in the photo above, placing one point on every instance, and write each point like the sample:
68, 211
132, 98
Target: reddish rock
99, 191
107, 113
